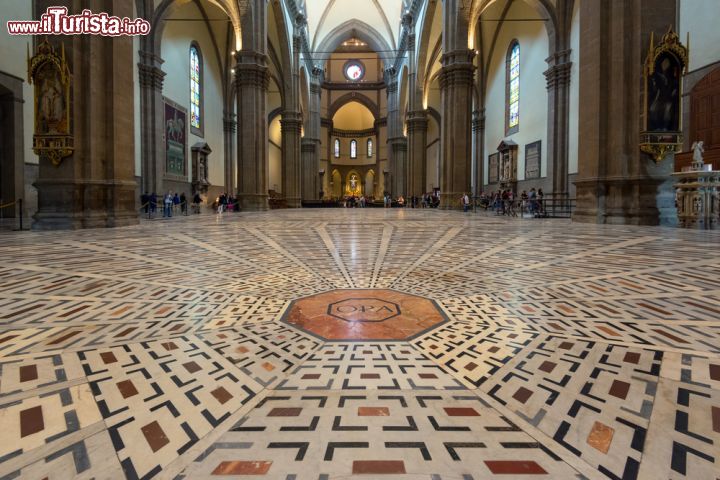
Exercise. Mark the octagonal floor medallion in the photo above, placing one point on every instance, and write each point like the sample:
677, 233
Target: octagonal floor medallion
366, 314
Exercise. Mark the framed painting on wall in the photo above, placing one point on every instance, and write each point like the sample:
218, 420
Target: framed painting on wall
175, 139
493, 167
533, 157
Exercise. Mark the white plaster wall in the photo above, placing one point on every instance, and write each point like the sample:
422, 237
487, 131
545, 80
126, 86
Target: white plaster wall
573, 123
432, 155
275, 155
700, 18
533, 93
177, 37
12, 61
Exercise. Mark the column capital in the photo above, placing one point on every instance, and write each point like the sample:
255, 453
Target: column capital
252, 74
417, 121
458, 69
151, 76
558, 75
229, 125
398, 144
478, 120
291, 122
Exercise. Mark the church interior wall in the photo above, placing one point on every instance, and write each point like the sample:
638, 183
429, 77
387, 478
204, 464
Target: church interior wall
176, 41
433, 154
12, 63
705, 35
533, 41
275, 155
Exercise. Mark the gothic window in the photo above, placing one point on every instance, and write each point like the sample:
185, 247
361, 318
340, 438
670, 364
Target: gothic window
353, 148
369, 148
337, 148
513, 88
196, 100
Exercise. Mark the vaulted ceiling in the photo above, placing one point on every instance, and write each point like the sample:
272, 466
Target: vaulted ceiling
325, 16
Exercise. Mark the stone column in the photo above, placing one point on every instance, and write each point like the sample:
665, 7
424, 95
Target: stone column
252, 80
398, 166
311, 142
152, 121
229, 132
291, 128
417, 126
310, 170
558, 87
456, 80
616, 182
95, 186
478, 131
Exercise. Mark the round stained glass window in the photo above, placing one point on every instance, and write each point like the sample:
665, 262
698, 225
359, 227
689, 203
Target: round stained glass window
354, 71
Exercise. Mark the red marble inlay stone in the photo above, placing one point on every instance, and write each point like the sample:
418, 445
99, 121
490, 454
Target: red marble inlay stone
311, 376
373, 412
716, 419
515, 467
494, 349
221, 395
632, 357
523, 394
471, 366
364, 314
461, 412
155, 436
258, 467
31, 421
427, 376
284, 412
192, 367
715, 372
619, 389
28, 373
547, 366
127, 388
108, 357
378, 467
169, 346
369, 376
566, 345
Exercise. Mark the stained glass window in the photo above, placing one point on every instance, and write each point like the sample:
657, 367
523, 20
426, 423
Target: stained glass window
513, 75
337, 148
353, 148
369, 147
195, 88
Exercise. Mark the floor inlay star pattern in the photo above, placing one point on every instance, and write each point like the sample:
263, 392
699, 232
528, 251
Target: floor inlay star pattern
378, 343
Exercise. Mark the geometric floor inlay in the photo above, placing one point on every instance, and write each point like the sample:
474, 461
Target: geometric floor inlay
364, 314
360, 343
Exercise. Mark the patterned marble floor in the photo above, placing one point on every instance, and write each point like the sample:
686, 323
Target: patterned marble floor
166, 350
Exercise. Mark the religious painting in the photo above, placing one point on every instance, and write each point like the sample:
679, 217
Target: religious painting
663, 73
532, 160
175, 139
353, 187
664, 94
50, 74
493, 167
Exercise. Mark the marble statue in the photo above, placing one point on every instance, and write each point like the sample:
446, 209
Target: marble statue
698, 151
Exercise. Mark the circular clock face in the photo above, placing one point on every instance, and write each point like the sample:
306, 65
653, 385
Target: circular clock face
354, 71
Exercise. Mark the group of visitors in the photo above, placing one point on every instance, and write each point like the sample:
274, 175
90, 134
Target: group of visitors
427, 200
225, 203
355, 202
505, 202
171, 203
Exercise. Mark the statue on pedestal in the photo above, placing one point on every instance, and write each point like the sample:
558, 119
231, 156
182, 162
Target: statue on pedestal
698, 150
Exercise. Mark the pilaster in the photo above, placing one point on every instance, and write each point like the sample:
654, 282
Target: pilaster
252, 80
456, 80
